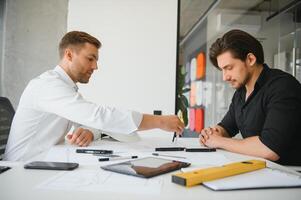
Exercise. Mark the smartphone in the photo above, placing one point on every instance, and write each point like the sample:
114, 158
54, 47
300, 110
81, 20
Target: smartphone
51, 165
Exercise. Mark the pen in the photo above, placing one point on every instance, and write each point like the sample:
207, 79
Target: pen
170, 149
106, 155
200, 149
117, 158
174, 137
94, 151
156, 154
180, 115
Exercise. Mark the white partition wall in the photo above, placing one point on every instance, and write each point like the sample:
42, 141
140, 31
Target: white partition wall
137, 62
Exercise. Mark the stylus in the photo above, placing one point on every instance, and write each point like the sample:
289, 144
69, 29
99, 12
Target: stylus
156, 154
200, 149
117, 158
94, 151
170, 149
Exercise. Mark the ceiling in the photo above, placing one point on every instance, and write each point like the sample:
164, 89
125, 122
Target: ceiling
192, 10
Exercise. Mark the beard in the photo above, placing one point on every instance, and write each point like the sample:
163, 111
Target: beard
236, 84
84, 78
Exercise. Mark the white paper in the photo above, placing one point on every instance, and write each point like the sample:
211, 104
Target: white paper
264, 178
102, 181
143, 148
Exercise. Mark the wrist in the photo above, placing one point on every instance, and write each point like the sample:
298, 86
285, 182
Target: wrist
221, 142
159, 121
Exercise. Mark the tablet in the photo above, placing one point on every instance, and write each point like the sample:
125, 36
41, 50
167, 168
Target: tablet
146, 167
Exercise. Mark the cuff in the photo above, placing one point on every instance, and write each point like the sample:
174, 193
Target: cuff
96, 133
137, 118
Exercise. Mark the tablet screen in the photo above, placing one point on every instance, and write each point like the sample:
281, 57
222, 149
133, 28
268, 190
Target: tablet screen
146, 167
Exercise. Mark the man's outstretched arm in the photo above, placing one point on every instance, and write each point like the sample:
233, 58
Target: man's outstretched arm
169, 123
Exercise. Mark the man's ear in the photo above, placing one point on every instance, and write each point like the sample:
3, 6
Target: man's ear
251, 59
68, 54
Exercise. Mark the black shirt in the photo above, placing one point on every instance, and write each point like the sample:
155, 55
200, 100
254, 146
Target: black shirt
272, 112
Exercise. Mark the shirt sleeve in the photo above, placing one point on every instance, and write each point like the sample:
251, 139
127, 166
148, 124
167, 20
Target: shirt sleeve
228, 122
283, 115
54, 96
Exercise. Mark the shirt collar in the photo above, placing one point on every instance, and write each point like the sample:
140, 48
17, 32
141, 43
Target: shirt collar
258, 84
262, 77
66, 78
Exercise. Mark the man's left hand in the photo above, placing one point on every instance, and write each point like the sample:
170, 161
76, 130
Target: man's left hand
81, 137
212, 140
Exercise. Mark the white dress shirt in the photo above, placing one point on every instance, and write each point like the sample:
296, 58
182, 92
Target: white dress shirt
49, 106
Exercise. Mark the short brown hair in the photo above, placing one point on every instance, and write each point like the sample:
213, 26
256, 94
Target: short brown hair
239, 43
75, 39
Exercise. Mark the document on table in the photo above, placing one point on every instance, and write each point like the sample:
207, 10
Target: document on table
67, 153
264, 178
64, 153
143, 148
102, 181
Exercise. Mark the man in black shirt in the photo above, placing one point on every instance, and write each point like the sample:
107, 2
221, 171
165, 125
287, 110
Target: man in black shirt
266, 107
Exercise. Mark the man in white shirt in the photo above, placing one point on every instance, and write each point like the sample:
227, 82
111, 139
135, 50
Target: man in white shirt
51, 104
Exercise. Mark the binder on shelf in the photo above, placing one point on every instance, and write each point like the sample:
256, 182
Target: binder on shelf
193, 94
193, 67
201, 65
199, 93
199, 120
192, 119
187, 70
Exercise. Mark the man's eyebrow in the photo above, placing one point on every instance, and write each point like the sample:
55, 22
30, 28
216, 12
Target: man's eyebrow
226, 66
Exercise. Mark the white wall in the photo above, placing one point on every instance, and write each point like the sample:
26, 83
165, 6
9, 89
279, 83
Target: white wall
137, 62
32, 30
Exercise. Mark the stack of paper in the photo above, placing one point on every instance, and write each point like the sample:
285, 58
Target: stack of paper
264, 178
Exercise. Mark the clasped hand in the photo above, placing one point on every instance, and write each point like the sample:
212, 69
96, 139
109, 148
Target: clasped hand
211, 137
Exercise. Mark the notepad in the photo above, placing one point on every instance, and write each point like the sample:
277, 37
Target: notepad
263, 178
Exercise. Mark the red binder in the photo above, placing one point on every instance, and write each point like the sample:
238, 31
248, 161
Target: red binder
199, 119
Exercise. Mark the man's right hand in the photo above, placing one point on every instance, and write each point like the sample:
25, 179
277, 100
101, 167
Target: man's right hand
206, 132
171, 123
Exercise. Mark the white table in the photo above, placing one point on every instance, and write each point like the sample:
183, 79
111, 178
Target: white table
18, 183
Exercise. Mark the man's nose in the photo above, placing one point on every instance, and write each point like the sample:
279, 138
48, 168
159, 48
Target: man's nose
95, 66
226, 77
